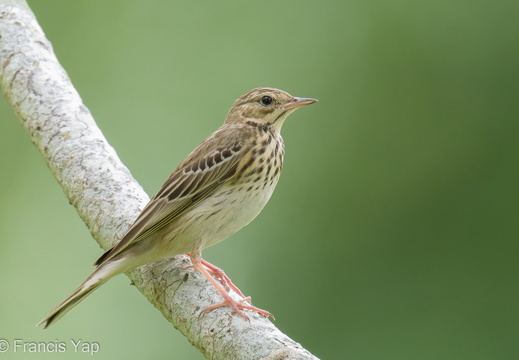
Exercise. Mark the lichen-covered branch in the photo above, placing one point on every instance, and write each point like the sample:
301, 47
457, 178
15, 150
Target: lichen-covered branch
108, 199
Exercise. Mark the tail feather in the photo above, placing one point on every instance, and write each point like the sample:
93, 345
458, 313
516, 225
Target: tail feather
67, 305
98, 278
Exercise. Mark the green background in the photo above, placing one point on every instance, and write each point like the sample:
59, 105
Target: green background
393, 233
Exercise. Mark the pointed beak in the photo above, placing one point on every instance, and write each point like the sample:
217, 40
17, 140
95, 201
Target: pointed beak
297, 102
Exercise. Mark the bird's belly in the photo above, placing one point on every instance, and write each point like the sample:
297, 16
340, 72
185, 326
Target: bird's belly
227, 211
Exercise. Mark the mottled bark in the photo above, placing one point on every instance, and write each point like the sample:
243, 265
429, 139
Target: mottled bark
107, 197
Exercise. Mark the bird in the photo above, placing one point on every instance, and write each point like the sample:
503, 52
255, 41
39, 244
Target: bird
220, 187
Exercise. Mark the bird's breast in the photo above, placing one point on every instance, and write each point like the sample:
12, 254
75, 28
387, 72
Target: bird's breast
237, 202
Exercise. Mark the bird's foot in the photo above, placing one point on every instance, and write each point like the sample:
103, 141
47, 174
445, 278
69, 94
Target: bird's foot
216, 275
237, 306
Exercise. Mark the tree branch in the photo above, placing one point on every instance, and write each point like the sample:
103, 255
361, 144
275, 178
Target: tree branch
108, 199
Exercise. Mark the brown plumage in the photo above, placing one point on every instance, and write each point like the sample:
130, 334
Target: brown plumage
220, 187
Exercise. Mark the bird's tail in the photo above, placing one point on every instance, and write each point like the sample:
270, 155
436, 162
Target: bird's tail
98, 278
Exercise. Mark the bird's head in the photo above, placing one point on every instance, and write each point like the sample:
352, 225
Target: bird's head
265, 107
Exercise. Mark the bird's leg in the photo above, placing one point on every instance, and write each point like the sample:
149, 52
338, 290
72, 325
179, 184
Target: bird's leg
207, 269
219, 274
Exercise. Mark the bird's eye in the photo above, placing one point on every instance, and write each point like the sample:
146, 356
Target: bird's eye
266, 100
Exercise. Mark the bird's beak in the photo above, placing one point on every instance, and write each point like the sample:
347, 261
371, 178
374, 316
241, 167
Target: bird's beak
297, 102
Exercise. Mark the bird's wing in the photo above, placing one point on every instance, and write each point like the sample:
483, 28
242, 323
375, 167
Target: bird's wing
197, 177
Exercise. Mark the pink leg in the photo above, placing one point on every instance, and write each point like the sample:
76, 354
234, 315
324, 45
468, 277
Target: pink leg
219, 274
212, 273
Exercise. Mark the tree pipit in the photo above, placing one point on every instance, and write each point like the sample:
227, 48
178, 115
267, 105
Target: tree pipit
218, 189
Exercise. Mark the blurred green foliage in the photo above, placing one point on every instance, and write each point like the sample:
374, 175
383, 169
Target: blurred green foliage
393, 232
